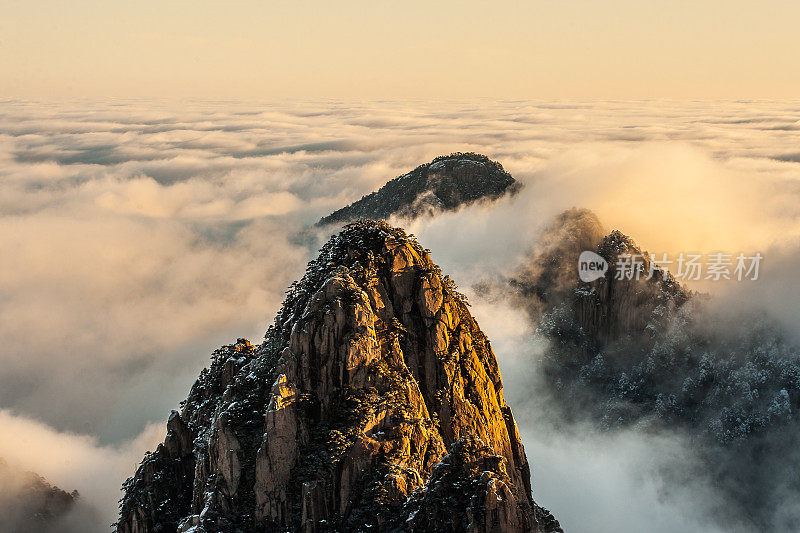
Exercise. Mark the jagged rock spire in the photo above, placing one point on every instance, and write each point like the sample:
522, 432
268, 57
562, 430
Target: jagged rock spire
342, 419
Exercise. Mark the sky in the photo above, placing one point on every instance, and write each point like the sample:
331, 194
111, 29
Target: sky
356, 49
139, 235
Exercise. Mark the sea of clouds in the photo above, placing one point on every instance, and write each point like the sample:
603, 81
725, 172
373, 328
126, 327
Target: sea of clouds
137, 236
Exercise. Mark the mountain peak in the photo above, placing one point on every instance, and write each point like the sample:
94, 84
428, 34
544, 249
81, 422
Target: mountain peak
445, 184
616, 243
374, 397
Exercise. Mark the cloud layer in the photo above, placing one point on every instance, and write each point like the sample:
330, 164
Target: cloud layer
137, 235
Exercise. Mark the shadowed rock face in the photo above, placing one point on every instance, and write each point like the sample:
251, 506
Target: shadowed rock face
550, 275
374, 403
444, 184
651, 356
614, 307
588, 317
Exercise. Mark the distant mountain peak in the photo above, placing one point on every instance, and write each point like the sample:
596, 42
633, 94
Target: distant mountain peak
28, 502
445, 184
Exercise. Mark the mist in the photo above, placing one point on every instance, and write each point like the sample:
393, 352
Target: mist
141, 235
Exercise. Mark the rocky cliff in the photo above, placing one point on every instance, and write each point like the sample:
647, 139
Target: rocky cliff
444, 184
374, 404
596, 315
650, 356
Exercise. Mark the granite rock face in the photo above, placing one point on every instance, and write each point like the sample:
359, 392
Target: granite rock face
471, 490
444, 184
375, 403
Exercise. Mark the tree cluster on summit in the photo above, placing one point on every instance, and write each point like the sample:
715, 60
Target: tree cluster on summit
445, 184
